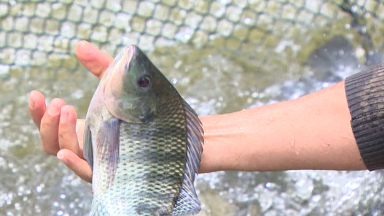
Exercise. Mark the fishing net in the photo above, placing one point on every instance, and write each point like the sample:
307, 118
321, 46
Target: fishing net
45, 33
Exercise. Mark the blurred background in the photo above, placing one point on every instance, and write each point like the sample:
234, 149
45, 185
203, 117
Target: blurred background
222, 56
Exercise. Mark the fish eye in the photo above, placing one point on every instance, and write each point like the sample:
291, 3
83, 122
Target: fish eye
144, 81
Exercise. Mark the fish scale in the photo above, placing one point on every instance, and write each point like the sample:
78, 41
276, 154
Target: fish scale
141, 145
143, 142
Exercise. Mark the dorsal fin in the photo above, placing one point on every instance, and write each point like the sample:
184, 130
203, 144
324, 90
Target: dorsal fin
187, 202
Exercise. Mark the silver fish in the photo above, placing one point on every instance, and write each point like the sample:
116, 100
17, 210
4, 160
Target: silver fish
143, 142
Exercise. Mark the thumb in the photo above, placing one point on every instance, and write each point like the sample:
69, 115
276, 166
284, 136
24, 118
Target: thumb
79, 166
92, 58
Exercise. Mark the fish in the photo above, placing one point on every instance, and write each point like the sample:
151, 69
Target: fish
143, 142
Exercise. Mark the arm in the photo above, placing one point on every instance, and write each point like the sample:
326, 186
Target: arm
311, 132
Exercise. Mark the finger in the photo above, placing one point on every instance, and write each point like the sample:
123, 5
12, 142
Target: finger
80, 133
49, 127
36, 107
77, 165
67, 130
92, 58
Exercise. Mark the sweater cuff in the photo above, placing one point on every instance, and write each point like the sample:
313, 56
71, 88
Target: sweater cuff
365, 96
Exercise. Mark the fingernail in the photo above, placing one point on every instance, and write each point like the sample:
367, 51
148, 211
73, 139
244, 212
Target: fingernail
64, 116
61, 156
52, 109
31, 103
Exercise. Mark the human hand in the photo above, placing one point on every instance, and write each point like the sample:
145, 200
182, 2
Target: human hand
61, 132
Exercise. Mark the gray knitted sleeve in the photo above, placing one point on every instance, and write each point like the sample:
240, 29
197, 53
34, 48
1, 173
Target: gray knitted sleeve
365, 96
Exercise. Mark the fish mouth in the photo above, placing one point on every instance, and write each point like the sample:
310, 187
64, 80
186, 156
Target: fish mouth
129, 53
130, 49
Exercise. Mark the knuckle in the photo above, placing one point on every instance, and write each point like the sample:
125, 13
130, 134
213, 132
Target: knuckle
47, 149
47, 122
62, 136
48, 144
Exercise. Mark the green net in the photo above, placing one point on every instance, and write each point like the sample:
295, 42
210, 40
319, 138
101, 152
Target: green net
45, 33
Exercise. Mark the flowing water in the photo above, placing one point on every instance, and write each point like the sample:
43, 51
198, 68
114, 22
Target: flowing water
222, 56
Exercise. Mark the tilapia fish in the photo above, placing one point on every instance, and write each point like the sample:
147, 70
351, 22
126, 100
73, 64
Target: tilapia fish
143, 142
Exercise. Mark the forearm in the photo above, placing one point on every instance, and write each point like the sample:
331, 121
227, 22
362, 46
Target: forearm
311, 132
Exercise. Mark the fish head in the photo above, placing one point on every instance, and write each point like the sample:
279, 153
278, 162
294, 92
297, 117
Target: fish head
135, 87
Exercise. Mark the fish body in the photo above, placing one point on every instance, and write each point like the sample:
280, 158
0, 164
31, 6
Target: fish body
142, 141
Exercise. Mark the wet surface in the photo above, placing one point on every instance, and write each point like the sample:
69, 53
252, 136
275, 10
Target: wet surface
213, 72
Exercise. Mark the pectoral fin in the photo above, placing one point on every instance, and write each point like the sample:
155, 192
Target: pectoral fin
108, 146
87, 145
